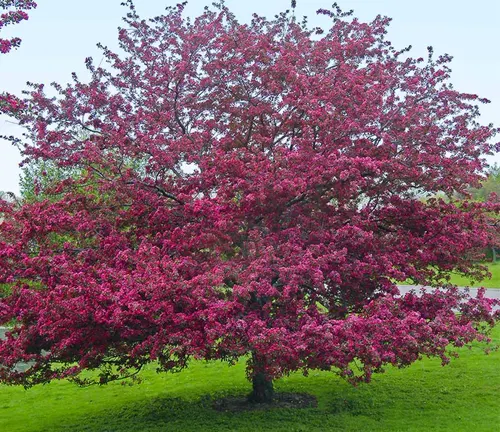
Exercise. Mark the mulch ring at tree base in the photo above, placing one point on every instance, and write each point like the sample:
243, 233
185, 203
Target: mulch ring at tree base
281, 400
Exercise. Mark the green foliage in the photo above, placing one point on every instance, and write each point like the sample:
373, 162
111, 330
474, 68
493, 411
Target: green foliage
425, 396
5, 290
37, 177
489, 186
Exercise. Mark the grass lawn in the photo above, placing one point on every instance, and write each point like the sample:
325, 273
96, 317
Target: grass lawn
494, 282
462, 396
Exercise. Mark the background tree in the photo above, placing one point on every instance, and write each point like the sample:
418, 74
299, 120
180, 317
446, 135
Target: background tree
274, 202
490, 185
38, 178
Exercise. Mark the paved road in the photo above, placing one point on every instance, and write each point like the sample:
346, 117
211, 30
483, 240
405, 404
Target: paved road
493, 293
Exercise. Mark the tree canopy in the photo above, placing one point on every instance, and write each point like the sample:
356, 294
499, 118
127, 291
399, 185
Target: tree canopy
245, 190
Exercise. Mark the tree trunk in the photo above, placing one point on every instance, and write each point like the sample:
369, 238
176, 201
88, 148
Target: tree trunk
262, 386
262, 389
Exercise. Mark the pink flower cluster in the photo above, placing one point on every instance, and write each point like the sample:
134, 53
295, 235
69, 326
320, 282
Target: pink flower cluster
15, 13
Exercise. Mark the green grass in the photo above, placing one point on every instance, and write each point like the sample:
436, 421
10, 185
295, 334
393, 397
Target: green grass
462, 396
494, 282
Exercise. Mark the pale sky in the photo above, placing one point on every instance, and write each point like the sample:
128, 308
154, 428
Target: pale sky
60, 34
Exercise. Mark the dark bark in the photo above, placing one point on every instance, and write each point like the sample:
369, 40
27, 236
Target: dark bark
262, 389
262, 385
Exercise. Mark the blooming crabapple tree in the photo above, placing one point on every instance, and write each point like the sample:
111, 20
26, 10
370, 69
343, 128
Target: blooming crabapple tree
246, 190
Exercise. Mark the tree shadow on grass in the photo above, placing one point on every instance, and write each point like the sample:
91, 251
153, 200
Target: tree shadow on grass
177, 414
388, 405
167, 413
